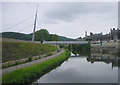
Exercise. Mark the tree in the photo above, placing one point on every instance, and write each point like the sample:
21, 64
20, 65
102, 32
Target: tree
42, 35
88, 39
54, 37
79, 38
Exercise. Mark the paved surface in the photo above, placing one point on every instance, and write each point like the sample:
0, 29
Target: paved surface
65, 42
70, 42
9, 69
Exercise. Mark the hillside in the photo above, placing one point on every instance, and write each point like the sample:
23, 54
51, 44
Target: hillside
15, 35
62, 38
18, 50
28, 37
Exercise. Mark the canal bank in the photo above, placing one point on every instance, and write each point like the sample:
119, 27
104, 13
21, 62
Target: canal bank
78, 69
84, 66
33, 72
12, 68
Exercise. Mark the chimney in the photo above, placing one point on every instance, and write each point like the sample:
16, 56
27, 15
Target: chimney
91, 34
85, 33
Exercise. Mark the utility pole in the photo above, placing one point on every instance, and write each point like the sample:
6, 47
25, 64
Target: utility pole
33, 36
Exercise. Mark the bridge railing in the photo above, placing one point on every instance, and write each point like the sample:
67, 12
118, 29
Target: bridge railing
65, 42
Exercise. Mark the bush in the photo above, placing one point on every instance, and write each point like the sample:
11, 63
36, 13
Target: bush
49, 54
58, 50
16, 63
30, 58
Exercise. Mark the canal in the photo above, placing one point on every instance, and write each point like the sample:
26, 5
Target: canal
82, 68
78, 70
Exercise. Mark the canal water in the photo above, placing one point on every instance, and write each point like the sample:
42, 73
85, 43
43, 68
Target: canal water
83, 69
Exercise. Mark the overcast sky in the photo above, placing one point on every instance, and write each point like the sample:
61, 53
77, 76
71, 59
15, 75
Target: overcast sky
70, 19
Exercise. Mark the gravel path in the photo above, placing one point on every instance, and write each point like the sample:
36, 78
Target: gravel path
9, 69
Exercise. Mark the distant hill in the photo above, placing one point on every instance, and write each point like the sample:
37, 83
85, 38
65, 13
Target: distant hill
62, 38
28, 37
15, 35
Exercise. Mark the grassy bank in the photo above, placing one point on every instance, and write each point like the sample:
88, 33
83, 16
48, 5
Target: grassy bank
28, 74
17, 50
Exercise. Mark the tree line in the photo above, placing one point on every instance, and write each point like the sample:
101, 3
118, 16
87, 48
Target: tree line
40, 35
44, 35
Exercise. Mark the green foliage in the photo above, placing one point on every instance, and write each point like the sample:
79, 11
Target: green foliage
54, 37
80, 49
62, 38
70, 47
26, 75
18, 50
79, 38
58, 50
15, 35
49, 54
62, 46
16, 63
88, 39
30, 58
42, 35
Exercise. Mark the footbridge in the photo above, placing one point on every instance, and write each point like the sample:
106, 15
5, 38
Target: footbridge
67, 42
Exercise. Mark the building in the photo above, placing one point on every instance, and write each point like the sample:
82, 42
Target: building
114, 34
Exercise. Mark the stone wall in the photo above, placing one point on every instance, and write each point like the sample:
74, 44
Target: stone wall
21, 61
110, 47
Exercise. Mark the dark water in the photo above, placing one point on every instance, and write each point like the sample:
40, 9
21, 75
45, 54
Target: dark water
83, 69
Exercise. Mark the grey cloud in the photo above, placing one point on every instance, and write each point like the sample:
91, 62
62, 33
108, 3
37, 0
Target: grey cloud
70, 11
64, 11
70, 19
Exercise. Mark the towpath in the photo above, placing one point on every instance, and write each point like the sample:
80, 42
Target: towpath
9, 69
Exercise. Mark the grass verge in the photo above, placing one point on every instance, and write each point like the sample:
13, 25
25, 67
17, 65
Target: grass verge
18, 50
29, 74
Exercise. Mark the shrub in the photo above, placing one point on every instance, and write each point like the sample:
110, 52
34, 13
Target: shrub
9, 63
16, 63
49, 54
58, 50
30, 58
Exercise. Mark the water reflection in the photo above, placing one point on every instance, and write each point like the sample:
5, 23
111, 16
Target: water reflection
98, 54
78, 70
106, 58
79, 50
88, 68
